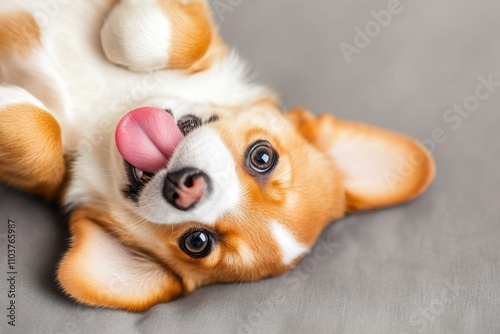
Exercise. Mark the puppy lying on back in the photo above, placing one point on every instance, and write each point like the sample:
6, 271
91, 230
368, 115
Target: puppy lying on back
177, 171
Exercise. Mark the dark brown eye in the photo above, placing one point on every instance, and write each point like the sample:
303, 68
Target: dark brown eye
262, 157
196, 243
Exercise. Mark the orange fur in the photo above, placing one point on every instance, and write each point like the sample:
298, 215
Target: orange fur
192, 33
284, 196
30, 150
409, 167
217, 50
19, 33
79, 275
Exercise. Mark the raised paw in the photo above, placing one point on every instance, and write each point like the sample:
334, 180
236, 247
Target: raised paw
31, 157
155, 34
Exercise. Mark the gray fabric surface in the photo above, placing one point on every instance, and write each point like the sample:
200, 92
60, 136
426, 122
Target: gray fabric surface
430, 266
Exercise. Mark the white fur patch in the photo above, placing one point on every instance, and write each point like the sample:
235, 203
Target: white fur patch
289, 246
15, 95
137, 35
202, 149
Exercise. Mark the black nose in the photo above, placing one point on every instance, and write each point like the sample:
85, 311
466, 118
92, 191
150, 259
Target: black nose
183, 189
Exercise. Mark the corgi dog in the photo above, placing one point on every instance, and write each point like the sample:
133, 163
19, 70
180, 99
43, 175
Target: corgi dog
176, 171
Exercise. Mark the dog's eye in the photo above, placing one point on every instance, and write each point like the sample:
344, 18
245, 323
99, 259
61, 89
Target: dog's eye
262, 157
196, 243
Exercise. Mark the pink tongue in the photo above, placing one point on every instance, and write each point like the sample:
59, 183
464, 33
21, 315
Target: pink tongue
147, 138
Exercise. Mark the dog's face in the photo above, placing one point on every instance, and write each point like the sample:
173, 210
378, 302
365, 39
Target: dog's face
239, 189
213, 194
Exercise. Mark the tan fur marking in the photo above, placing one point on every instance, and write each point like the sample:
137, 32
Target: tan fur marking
216, 51
195, 41
191, 31
31, 155
19, 33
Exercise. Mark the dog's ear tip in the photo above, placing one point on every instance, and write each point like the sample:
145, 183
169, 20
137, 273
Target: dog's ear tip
426, 169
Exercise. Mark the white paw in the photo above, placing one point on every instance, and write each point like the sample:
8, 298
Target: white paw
137, 35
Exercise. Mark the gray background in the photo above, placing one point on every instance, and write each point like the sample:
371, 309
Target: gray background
430, 266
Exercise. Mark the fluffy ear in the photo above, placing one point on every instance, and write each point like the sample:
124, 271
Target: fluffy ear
99, 270
380, 167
